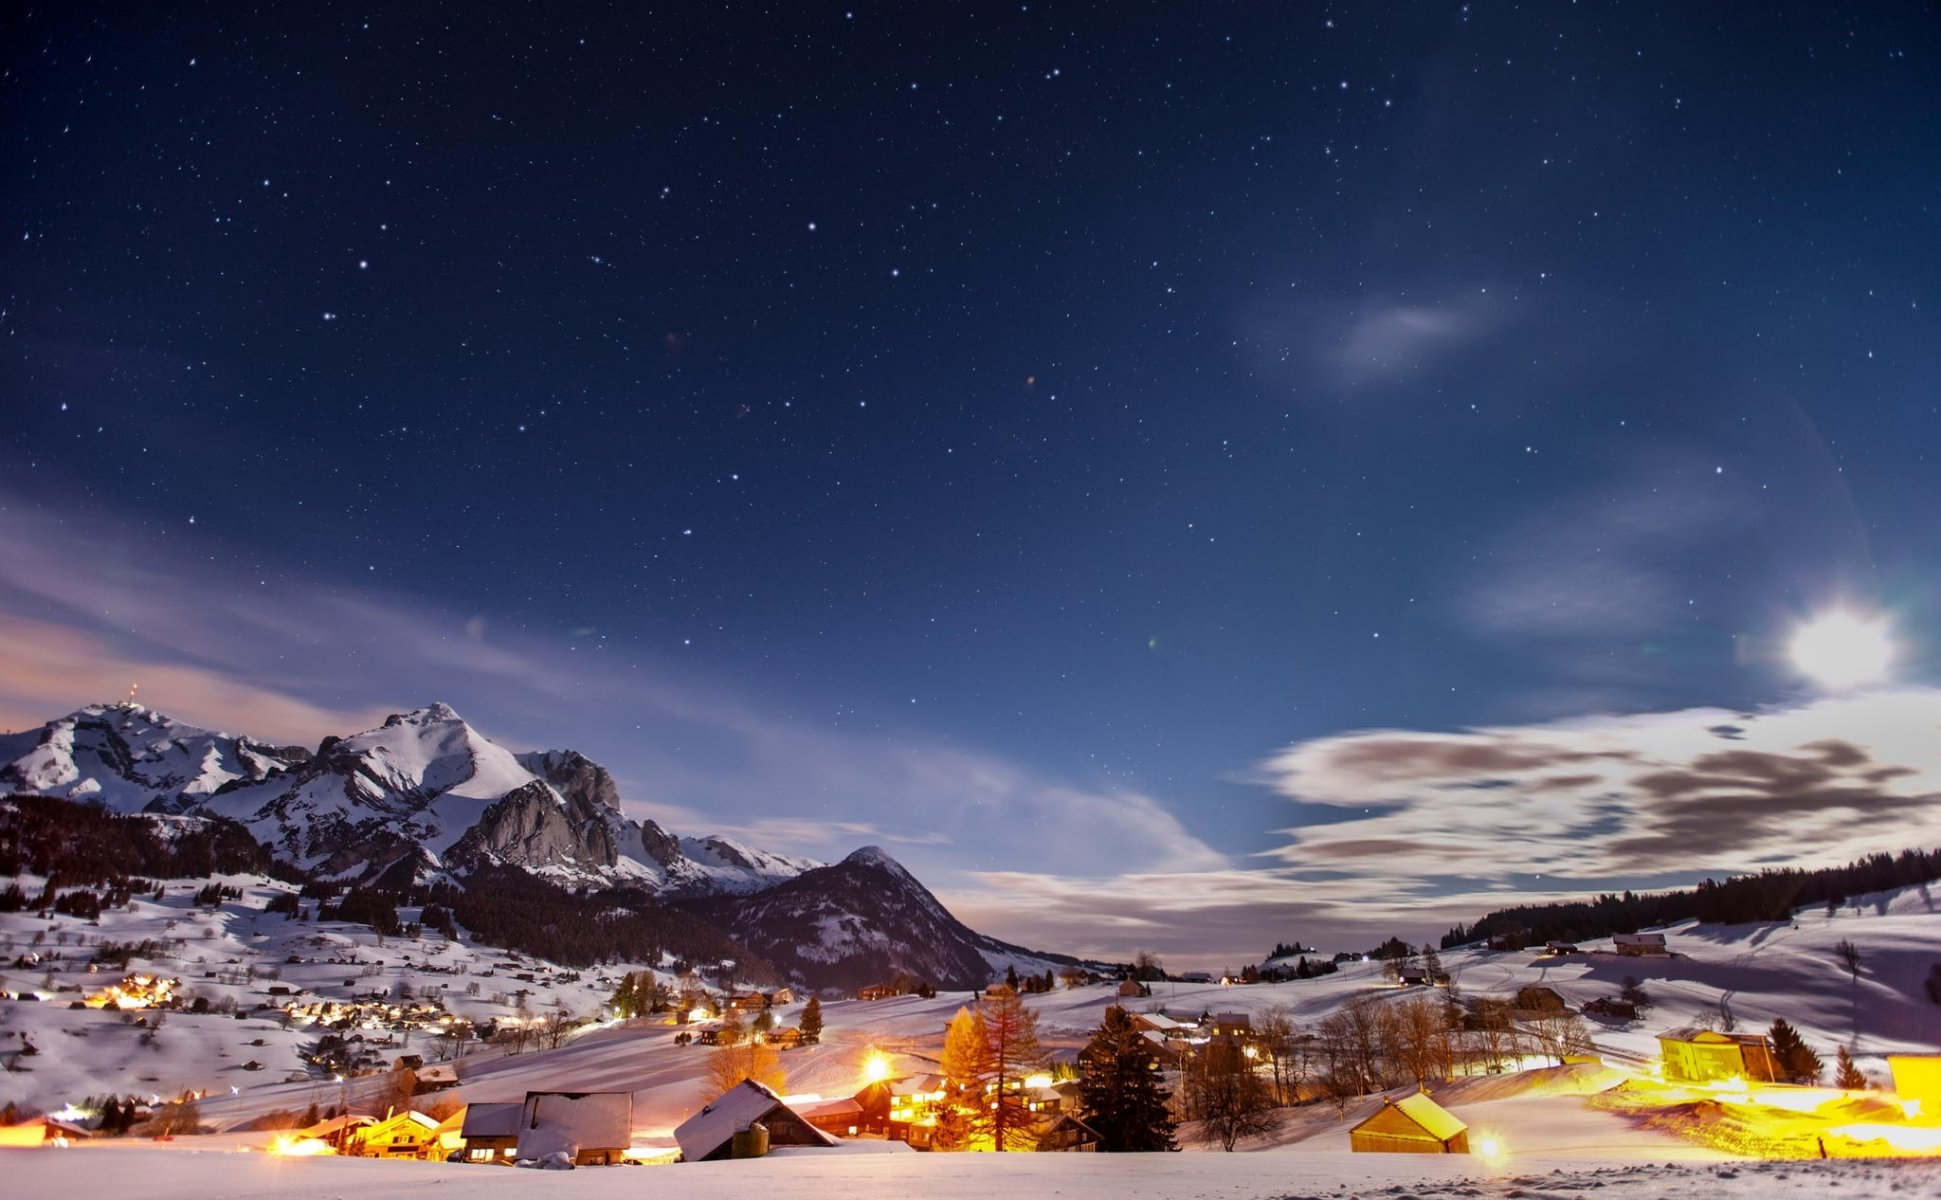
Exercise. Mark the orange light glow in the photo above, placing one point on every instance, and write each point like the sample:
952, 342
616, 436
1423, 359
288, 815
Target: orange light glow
876, 1068
291, 1147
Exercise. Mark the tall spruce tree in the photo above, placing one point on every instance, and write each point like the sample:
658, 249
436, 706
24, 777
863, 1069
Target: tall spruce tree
1122, 1090
1846, 1076
1796, 1059
811, 1024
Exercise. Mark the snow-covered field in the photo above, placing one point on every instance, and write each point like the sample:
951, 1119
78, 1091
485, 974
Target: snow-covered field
238, 953
177, 1174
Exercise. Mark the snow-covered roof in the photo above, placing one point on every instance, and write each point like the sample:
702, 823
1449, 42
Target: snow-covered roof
491, 1120
733, 1111
1437, 1121
552, 1122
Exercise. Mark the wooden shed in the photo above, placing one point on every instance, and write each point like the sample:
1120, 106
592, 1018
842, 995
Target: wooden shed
1412, 1125
1694, 1055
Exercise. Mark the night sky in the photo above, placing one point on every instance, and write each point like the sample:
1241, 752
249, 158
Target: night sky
1180, 476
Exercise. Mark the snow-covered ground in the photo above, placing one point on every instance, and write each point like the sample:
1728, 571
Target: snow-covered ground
177, 1173
238, 953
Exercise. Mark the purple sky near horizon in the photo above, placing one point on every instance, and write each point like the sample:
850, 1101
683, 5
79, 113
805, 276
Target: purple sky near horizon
1185, 478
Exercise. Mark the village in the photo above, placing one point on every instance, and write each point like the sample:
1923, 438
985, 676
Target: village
397, 1060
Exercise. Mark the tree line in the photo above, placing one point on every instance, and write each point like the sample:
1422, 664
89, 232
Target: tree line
1771, 895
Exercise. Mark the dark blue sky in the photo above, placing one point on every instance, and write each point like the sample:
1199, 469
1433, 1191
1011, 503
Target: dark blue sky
960, 423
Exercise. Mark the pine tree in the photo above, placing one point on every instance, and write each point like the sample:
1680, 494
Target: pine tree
1122, 1090
811, 1024
1846, 1076
1796, 1059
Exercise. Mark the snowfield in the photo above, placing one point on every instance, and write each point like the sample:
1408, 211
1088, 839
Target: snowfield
1564, 1139
841, 1174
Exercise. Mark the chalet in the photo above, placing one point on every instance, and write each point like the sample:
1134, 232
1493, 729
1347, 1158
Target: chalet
1195, 977
1693, 1055
447, 1142
1132, 989
1640, 945
489, 1133
1236, 1025
1160, 1024
41, 1131
1412, 1125
785, 1038
747, 1002
781, 996
590, 1129
1536, 998
408, 1062
1413, 979
1560, 948
337, 1130
437, 1077
1614, 1007
844, 1118
876, 991
743, 1122
1165, 1051
400, 1135
1067, 1132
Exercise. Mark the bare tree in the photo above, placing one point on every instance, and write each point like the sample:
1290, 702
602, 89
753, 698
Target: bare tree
1228, 1097
1419, 1038
728, 1065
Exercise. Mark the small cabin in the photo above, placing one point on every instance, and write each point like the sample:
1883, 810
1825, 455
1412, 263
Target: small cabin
1412, 1125
1640, 945
1132, 989
1693, 1055
876, 991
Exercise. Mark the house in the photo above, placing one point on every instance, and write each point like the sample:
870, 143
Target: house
747, 1002
592, 1129
1412, 1125
447, 1142
437, 1077
1132, 989
786, 1038
1161, 1024
489, 1133
1066, 1132
400, 1135
1560, 948
1694, 1055
1236, 1025
41, 1131
1640, 945
876, 991
336, 1130
844, 1117
781, 996
1165, 1051
1195, 977
1614, 1007
1536, 998
710, 1134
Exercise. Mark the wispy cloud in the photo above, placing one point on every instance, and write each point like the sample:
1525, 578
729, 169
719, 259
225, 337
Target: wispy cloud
294, 659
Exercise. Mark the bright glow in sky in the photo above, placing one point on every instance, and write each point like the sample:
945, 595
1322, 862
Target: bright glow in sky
1841, 650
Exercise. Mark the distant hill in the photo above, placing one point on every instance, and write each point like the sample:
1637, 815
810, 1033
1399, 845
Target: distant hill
1771, 895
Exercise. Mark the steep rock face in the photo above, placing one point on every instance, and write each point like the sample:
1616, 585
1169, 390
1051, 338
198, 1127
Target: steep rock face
857, 922
531, 827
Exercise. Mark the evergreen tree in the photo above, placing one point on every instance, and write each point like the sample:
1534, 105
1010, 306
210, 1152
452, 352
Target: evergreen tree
1846, 1076
811, 1024
1796, 1059
1122, 1090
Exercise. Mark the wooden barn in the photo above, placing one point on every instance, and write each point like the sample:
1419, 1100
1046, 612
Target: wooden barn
489, 1133
1412, 1125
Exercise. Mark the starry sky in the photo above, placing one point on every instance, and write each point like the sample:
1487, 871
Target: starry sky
1178, 476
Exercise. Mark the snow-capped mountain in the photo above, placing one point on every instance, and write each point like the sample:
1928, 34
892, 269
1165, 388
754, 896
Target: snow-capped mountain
862, 921
423, 792
131, 759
